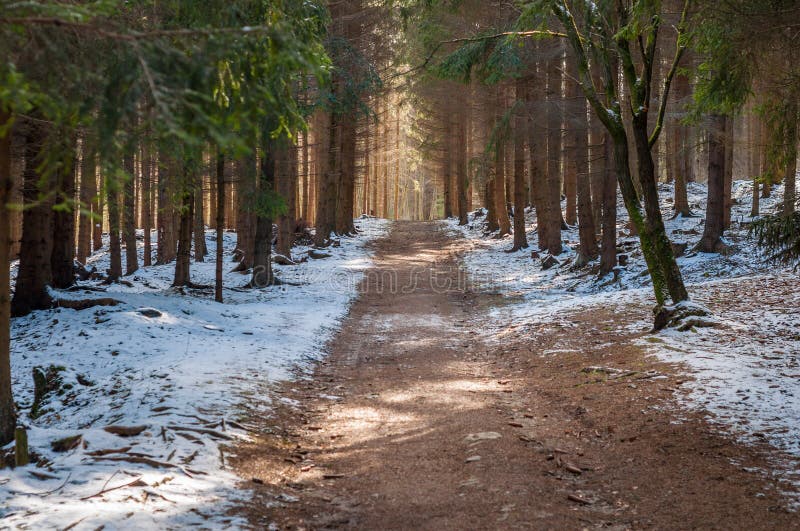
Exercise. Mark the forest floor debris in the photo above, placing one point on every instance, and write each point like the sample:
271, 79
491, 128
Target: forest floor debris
171, 374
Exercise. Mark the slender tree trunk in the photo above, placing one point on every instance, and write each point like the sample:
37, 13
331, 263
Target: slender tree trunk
166, 216
220, 224
501, 210
608, 257
346, 182
262, 261
587, 233
462, 180
520, 190
245, 216
790, 177
183, 260
63, 253
657, 234
326, 201
551, 191
87, 192
727, 204
8, 414
98, 205
287, 187
114, 246
200, 250
34, 273
715, 219
147, 204
129, 216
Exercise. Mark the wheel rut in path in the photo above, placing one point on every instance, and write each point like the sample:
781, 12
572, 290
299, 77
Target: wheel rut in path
415, 422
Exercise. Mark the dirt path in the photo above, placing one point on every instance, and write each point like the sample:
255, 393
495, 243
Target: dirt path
415, 422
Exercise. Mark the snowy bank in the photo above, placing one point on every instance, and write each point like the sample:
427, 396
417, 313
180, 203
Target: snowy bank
188, 375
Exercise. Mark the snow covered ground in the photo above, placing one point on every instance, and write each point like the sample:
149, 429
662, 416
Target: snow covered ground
188, 375
745, 373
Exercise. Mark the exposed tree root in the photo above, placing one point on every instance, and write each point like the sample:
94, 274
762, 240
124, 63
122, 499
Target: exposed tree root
84, 304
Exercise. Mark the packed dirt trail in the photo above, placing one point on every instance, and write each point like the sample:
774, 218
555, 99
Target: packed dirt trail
419, 419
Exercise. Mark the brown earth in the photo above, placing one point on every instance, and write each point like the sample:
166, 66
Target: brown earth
420, 420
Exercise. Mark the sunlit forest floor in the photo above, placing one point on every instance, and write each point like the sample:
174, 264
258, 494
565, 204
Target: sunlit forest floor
461, 405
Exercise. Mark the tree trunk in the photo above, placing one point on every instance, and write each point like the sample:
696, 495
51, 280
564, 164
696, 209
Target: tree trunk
98, 205
220, 224
147, 204
34, 273
551, 198
63, 254
129, 215
114, 246
462, 180
287, 177
166, 215
262, 261
790, 177
200, 249
346, 183
326, 199
501, 209
727, 203
656, 233
520, 190
715, 218
8, 414
608, 257
245, 216
587, 232
87, 194
183, 260
491, 208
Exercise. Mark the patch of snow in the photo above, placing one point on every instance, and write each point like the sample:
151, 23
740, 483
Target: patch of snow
192, 375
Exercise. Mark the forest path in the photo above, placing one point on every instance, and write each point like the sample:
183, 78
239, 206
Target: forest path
418, 420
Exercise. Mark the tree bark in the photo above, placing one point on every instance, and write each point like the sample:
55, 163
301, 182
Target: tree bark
551, 191
34, 273
8, 413
165, 252
520, 189
499, 183
129, 215
608, 257
147, 204
715, 218
98, 205
87, 194
287, 178
262, 261
63, 254
200, 249
183, 259
790, 176
326, 199
220, 224
114, 246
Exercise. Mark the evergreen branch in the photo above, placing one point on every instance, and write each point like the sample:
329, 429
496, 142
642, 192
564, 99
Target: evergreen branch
134, 35
424, 64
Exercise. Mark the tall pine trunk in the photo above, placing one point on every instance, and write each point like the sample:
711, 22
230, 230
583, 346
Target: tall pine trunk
114, 246
87, 192
147, 204
608, 256
34, 273
220, 223
262, 262
63, 254
129, 214
8, 416
715, 217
